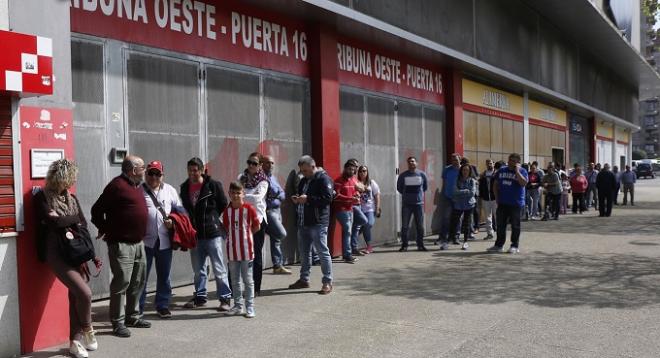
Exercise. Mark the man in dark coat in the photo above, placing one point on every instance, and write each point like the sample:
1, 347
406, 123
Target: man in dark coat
606, 185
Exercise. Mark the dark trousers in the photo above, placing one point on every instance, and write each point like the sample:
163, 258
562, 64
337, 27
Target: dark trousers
508, 214
578, 202
616, 194
417, 212
605, 202
475, 216
552, 205
258, 263
466, 227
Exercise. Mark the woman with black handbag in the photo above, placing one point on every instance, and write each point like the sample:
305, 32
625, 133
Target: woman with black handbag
67, 248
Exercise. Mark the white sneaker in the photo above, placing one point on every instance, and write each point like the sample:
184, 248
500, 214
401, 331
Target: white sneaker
465, 246
77, 350
88, 340
514, 250
250, 313
235, 311
444, 246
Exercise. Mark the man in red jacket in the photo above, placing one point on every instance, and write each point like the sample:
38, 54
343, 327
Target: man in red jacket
120, 214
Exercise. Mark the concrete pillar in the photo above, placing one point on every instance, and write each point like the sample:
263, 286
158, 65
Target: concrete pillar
43, 301
525, 152
454, 107
326, 126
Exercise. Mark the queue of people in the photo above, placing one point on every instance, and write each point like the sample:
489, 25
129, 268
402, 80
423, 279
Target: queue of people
143, 219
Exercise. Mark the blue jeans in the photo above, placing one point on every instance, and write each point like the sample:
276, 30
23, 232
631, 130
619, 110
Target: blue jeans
364, 228
416, 210
359, 220
241, 278
316, 236
345, 219
214, 249
163, 285
277, 233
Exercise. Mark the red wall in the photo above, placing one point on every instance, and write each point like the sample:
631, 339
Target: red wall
43, 299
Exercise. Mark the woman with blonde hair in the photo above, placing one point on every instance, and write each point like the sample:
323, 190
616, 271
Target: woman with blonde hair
59, 213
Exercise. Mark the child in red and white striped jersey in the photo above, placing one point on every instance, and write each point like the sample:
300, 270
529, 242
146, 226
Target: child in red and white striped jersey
241, 221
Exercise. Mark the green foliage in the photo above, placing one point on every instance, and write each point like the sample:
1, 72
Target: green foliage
639, 154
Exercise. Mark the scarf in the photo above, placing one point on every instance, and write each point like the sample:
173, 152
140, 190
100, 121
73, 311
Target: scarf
251, 182
63, 203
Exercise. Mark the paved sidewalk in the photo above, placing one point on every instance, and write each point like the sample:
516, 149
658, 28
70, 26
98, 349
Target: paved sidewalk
582, 286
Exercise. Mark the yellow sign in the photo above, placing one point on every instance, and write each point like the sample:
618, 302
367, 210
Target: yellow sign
491, 98
604, 129
622, 134
541, 112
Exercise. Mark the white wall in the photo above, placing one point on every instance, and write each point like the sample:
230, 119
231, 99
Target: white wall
603, 152
9, 320
4, 15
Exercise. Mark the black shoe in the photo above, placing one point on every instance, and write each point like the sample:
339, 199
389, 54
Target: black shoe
403, 249
120, 330
455, 242
164, 313
350, 260
138, 323
422, 248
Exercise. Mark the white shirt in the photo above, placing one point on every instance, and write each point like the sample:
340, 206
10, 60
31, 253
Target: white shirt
169, 200
257, 198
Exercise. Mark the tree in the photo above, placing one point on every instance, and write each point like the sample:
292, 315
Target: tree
639, 154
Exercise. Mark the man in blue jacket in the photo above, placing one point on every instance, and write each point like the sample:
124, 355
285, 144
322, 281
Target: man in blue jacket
412, 184
313, 199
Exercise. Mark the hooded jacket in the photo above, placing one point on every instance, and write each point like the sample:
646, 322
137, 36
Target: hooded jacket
205, 214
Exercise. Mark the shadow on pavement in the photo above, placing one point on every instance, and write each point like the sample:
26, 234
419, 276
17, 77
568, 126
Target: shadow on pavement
63, 352
542, 279
622, 222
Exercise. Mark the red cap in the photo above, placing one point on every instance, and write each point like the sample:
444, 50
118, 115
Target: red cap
155, 165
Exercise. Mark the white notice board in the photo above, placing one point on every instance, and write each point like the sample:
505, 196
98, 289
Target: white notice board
41, 159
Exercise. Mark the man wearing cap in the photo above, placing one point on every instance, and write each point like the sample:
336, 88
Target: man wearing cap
161, 199
120, 214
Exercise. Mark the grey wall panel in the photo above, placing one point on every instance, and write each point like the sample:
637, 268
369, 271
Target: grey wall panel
173, 150
427, 18
163, 95
233, 102
381, 121
87, 82
285, 105
558, 60
91, 182
10, 335
507, 36
351, 106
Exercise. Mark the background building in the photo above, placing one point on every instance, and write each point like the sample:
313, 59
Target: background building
375, 80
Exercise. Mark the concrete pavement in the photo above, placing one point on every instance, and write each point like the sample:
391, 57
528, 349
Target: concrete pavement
582, 286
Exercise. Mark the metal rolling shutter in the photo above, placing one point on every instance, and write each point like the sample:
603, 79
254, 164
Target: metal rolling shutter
7, 201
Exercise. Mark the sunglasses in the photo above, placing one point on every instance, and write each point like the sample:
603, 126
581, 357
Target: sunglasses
155, 174
250, 162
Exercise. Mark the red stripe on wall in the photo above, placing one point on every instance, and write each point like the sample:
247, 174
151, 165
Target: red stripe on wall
491, 112
540, 123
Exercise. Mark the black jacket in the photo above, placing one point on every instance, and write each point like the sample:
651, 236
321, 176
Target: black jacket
205, 215
605, 181
319, 197
486, 191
